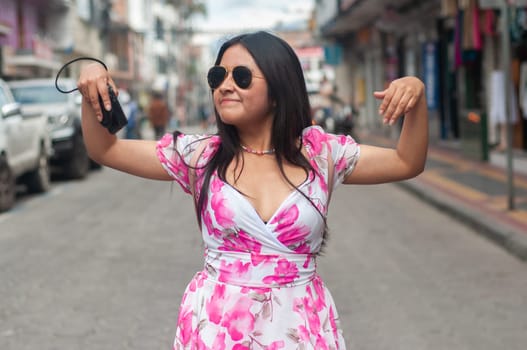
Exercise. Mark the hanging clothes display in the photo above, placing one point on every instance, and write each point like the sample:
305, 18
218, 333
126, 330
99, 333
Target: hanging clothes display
471, 38
497, 100
490, 23
448, 8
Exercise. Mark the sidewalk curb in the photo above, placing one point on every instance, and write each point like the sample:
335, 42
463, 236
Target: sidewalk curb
508, 238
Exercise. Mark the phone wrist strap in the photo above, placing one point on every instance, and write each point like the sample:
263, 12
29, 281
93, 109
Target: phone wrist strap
70, 62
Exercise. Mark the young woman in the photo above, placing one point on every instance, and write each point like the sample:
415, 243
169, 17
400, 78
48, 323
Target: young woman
261, 188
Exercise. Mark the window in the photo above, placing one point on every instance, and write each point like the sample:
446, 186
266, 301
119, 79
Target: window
159, 29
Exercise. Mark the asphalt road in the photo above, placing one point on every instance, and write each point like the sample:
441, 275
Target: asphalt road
101, 264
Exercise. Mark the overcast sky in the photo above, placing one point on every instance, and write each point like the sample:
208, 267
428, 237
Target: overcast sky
238, 15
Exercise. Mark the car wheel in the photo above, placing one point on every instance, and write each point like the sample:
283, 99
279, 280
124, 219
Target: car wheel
38, 180
7, 186
79, 165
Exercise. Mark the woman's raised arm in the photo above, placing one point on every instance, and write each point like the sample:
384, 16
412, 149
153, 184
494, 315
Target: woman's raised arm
379, 165
136, 157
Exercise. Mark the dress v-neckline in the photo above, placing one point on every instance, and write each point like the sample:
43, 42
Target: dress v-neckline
286, 199
253, 209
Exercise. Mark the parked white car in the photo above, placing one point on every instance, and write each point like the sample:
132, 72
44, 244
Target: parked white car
25, 150
70, 156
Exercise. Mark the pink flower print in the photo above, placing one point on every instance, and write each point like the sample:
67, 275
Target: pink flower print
309, 257
311, 312
333, 322
320, 301
276, 345
219, 342
241, 347
239, 320
257, 258
306, 307
165, 141
185, 325
207, 221
224, 216
286, 218
285, 272
215, 304
216, 185
211, 148
237, 270
317, 139
197, 281
241, 241
197, 341
211, 230
321, 343
323, 184
342, 139
303, 334
294, 237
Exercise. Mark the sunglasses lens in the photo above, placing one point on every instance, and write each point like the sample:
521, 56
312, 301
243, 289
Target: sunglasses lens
242, 76
216, 76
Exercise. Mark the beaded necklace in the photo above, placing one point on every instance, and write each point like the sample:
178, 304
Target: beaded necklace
259, 153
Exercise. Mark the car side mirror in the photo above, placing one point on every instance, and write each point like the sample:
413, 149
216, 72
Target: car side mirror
11, 109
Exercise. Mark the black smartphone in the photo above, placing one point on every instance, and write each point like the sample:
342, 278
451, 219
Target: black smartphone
114, 119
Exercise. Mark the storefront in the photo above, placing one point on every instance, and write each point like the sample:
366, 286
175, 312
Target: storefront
384, 40
473, 40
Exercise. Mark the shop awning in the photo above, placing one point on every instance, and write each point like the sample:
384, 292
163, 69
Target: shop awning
366, 13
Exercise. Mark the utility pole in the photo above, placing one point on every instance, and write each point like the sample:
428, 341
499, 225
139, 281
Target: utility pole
506, 55
504, 6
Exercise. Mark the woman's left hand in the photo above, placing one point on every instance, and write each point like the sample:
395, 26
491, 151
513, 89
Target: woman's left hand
399, 98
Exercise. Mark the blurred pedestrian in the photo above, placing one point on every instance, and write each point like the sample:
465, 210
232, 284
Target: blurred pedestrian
131, 111
134, 120
158, 114
261, 188
326, 92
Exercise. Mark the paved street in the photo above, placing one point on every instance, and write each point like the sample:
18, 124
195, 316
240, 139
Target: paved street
101, 264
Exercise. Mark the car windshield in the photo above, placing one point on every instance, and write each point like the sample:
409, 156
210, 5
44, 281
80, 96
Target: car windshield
38, 94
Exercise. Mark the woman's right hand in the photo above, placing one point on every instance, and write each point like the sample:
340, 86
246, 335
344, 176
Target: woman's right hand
93, 81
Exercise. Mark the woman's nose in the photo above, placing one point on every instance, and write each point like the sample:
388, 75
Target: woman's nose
228, 83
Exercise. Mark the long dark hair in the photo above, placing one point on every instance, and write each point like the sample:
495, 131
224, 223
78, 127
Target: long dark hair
287, 90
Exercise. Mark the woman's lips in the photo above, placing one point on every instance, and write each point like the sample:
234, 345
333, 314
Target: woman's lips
228, 101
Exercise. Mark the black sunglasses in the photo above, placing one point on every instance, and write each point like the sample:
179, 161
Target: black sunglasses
242, 76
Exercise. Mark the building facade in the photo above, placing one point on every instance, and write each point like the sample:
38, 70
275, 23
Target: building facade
454, 46
145, 44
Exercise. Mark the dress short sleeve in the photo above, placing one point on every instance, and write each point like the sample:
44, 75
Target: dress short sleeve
345, 152
339, 151
177, 154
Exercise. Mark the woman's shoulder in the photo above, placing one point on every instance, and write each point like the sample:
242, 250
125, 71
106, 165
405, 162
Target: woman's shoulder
189, 142
178, 136
314, 134
317, 139
312, 130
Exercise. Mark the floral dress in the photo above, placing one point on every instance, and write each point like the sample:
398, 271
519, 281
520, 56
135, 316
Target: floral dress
259, 288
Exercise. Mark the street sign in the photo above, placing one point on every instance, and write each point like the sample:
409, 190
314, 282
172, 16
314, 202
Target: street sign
496, 4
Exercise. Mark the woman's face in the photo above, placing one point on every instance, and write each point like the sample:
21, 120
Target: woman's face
237, 106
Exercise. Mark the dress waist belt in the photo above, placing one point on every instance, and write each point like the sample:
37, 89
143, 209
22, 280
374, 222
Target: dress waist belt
260, 270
